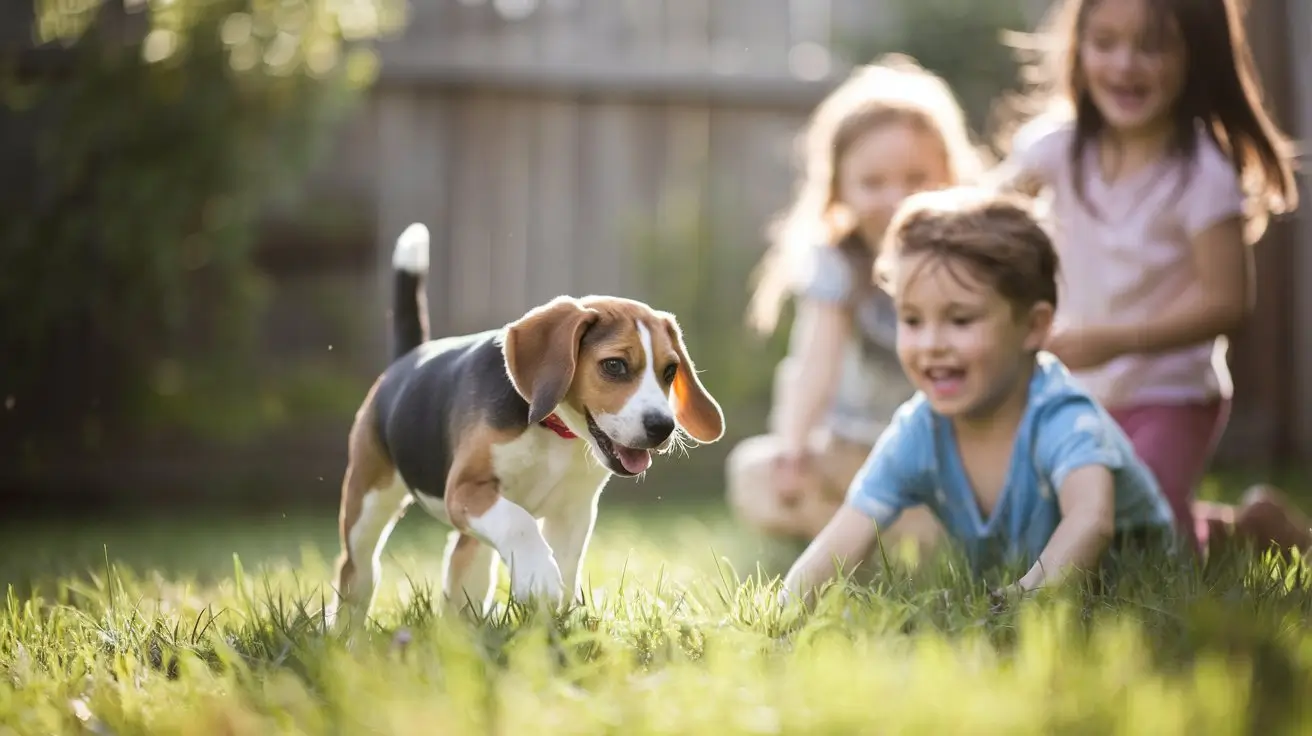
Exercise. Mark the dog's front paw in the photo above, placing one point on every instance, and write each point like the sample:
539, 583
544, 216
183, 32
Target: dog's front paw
784, 597
536, 577
344, 617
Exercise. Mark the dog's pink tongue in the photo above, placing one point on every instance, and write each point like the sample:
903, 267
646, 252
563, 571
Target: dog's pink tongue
634, 461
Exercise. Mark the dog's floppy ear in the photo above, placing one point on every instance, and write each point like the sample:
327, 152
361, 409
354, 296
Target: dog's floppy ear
694, 408
542, 350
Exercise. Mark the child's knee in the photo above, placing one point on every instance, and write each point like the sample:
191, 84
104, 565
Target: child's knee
767, 511
748, 465
750, 492
1265, 516
756, 499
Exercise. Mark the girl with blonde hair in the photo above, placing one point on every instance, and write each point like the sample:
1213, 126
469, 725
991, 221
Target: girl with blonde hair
891, 129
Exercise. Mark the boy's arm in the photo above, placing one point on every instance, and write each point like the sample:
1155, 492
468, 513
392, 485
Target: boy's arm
846, 539
1078, 450
1087, 500
890, 480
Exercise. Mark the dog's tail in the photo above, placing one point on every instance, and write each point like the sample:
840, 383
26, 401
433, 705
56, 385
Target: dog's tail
409, 302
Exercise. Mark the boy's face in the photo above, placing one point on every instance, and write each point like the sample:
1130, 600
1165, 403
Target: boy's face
959, 340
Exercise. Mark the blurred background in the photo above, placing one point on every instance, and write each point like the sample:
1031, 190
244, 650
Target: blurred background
198, 201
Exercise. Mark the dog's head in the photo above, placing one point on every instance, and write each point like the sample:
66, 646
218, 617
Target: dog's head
616, 372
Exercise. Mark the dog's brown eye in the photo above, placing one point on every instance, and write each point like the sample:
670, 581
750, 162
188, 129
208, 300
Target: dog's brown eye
614, 367
671, 371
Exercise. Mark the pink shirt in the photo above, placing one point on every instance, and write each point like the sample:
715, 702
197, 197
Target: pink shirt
1133, 259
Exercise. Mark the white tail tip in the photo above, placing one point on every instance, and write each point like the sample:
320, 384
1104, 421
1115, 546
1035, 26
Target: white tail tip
411, 254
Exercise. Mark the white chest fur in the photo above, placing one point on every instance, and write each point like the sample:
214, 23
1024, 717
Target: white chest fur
542, 472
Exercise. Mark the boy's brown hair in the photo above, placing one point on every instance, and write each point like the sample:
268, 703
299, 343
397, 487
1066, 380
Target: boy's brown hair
995, 236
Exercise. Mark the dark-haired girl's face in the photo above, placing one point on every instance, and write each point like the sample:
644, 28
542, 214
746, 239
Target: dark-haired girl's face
1132, 65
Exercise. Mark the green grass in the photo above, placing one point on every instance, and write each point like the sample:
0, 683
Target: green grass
211, 626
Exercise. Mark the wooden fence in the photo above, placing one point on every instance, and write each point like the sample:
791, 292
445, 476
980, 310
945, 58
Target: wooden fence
529, 197
1299, 85
538, 140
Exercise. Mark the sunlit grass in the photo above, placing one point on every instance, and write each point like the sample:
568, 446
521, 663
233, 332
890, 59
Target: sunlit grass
170, 633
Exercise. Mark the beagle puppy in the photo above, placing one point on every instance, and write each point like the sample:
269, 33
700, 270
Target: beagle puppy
496, 431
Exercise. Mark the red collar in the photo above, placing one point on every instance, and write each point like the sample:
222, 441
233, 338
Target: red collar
553, 423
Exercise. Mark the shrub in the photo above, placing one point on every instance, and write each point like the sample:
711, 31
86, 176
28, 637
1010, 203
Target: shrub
148, 143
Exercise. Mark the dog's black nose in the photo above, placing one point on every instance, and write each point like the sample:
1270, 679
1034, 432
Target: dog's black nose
659, 426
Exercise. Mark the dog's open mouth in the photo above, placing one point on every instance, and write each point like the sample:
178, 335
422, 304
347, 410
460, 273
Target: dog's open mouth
626, 460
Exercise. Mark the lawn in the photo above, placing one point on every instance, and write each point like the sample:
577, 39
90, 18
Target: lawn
211, 626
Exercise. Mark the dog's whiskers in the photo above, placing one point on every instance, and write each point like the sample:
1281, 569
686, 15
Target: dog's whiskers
677, 441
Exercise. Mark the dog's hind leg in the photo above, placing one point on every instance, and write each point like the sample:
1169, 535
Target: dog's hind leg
373, 499
359, 567
471, 569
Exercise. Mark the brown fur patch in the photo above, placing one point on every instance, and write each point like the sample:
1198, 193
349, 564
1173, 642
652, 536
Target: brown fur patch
472, 486
542, 350
614, 336
695, 408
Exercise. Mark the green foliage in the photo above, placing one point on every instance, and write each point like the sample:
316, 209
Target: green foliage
155, 154
668, 640
962, 40
212, 406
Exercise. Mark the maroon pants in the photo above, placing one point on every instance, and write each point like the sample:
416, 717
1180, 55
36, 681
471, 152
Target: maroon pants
1176, 441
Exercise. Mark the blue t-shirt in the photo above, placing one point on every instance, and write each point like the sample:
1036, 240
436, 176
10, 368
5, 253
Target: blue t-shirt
916, 461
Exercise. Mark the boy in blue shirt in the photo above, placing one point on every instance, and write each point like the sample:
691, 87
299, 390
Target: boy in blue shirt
1011, 455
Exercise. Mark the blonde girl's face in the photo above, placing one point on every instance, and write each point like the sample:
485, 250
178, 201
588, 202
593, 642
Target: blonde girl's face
1134, 75
884, 166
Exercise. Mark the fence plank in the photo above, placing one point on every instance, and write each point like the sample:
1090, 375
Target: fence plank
556, 186
687, 42
1300, 43
604, 198
540, 148
413, 161
749, 36
475, 210
512, 167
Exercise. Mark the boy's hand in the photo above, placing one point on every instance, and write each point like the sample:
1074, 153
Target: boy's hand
847, 538
1002, 598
